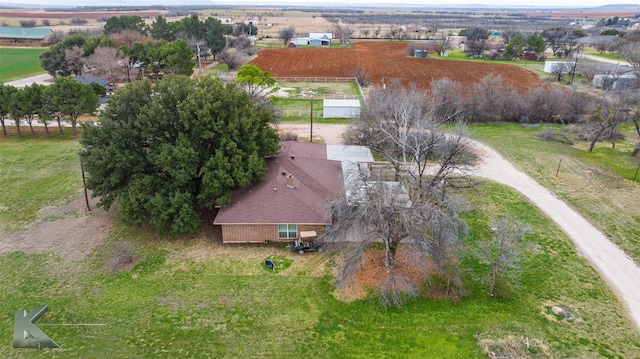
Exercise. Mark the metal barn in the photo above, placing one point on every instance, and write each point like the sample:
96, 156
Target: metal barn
341, 108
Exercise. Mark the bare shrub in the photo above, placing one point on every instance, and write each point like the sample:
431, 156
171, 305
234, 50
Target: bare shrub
231, 57
513, 347
46, 22
79, 21
549, 134
288, 136
28, 23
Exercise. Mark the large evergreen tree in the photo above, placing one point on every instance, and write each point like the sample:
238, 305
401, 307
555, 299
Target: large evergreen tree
162, 152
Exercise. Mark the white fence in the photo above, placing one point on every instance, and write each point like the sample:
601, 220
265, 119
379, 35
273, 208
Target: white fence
315, 79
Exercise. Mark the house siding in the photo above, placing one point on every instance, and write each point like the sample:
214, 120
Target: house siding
259, 233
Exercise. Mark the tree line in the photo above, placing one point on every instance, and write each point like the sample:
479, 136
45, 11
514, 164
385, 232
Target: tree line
127, 43
65, 99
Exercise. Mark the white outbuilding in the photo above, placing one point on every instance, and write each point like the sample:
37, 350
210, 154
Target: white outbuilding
341, 108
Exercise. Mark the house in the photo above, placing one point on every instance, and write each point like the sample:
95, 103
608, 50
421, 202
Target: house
24, 36
291, 198
320, 38
340, 108
615, 82
108, 85
251, 22
226, 21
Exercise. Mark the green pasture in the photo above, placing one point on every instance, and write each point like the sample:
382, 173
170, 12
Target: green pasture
195, 298
19, 62
598, 184
535, 66
294, 99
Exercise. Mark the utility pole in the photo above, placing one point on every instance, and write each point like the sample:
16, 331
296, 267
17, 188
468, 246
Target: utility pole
311, 117
84, 182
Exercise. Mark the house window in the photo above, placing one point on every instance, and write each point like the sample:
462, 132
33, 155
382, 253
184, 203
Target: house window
287, 231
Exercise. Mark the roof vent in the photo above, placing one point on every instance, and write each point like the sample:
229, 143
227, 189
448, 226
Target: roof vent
290, 181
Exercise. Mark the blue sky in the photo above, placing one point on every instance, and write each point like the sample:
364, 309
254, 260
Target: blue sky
501, 3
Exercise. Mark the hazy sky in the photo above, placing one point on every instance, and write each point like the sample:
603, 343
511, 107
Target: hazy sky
501, 3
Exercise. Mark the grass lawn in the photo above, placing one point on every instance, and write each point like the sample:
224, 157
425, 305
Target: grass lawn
19, 62
194, 298
35, 172
609, 56
599, 184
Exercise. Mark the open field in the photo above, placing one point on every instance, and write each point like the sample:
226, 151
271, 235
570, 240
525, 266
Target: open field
385, 61
19, 62
598, 184
194, 297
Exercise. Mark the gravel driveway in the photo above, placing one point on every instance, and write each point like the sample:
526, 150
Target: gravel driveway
620, 272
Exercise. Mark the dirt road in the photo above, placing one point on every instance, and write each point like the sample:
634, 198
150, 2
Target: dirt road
622, 274
43, 79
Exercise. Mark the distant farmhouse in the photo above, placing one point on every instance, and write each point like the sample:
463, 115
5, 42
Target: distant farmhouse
314, 39
226, 21
24, 36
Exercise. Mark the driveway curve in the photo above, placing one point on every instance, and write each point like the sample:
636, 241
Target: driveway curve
620, 272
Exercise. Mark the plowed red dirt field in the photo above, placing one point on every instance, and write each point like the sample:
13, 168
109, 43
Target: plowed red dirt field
385, 60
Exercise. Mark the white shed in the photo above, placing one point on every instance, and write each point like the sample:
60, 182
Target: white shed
341, 108
554, 66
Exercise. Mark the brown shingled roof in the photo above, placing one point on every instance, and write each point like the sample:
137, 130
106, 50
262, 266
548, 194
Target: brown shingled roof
271, 202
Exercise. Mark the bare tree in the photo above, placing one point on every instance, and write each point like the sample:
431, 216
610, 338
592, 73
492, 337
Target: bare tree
440, 44
509, 33
503, 253
414, 210
381, 212
560, 69
362, 77
476, 41
603, 121
287, 34
446, 99
631, 52
74, 59
631, 102
105, 63
231, 57
343, 33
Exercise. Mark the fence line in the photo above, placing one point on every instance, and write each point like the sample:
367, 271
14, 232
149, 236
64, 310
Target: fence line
314, 79
323, 97
300, 113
